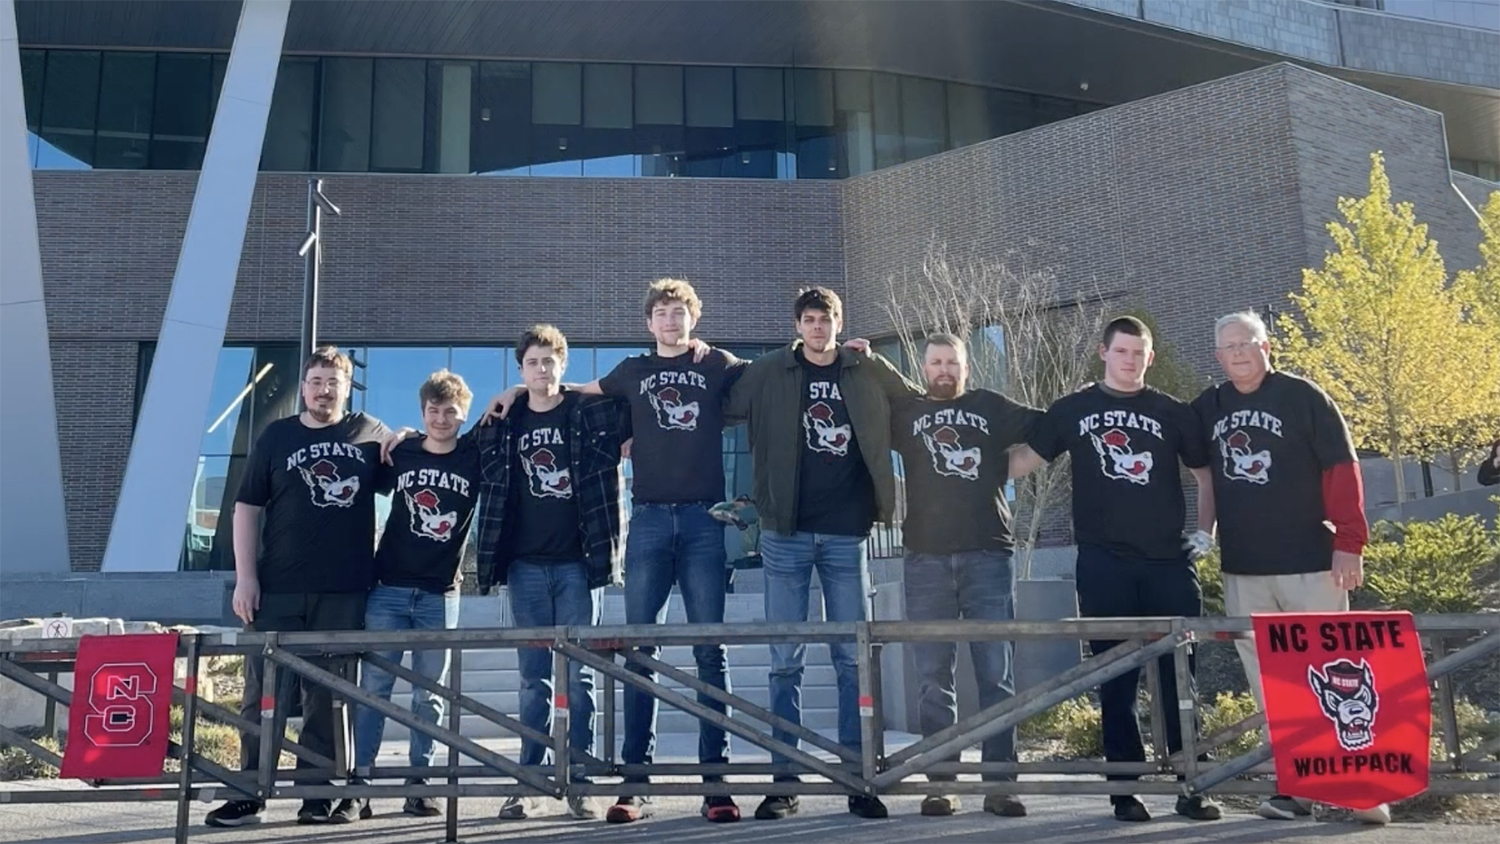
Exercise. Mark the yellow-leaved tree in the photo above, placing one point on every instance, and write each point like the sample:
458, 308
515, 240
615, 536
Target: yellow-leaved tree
1380, 328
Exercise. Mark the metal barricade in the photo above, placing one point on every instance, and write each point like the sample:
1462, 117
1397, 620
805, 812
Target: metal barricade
613, 653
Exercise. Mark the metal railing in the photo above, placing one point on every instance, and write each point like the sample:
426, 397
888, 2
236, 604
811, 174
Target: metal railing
612, 652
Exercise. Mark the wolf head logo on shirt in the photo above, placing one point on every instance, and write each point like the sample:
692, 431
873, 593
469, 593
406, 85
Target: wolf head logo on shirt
822, 434
327, 488
671, 412
1116, 460
1240, 463
949, 457
548, 480
1347, 694
427, 518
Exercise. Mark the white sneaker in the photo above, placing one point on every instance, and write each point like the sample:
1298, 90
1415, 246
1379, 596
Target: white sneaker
518, 808
582, 808
1380, 815
1284, 808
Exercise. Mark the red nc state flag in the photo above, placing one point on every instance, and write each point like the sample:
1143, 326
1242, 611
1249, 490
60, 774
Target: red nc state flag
122, 699
1348, 705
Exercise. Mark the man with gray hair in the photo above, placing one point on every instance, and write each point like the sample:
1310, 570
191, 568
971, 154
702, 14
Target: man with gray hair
953, 444
1285, 460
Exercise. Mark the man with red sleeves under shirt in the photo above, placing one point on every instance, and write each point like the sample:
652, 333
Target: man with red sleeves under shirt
1284, 469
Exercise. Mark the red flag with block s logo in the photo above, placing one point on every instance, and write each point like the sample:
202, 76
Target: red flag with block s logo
122, 700
1348, 705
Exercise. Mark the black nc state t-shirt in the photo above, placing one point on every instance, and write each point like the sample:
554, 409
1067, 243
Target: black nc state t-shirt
956, 465
317, 486
432, 508
677, 415
543, 503
1127, 491
1269, 450
835, 494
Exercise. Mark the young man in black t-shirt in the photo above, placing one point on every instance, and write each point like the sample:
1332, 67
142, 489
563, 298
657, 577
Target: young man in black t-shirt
304, 537
819, 420
1126, 440
954, 446
1284, 470
677, 419
435, 486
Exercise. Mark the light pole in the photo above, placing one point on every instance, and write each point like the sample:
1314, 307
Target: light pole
312, 250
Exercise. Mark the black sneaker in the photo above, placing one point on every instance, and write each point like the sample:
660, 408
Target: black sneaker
422, 807
777, 808
1128, 808
315, 812
235, 813
349, 810
1198, 808
869, 808
720, 809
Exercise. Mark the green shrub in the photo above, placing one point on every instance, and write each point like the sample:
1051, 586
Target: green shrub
1073, 723
1474, 727
1430, 567
1211, 580
17, 764
1227, 710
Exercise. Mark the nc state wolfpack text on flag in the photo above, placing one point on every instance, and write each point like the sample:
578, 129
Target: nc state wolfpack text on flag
1348, 705
122, 698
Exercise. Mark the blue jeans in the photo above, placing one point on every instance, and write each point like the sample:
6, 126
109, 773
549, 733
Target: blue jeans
977, 585
843, 572
404, 608
675, 544
544, 594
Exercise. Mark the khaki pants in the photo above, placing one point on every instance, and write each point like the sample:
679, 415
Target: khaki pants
1257, 593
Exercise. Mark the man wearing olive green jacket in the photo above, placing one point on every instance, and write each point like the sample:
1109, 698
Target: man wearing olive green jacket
819, 425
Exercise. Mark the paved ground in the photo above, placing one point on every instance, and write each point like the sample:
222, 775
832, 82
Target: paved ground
824, 820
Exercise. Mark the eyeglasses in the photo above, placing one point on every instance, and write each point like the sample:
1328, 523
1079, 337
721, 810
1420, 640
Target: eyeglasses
332, 383
1239, 348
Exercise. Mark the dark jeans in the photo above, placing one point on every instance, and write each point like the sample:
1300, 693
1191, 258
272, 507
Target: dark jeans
677, 544
1110, 586
544, 594
295, 612
969, 585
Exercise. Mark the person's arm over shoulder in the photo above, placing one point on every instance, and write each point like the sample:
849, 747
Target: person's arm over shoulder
618, 383
1193, 448
1047, 433
895, 385
1015, 423
746, 388
1343, 485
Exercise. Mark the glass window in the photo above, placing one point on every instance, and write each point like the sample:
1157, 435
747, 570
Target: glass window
400, 93
922, 122
221, 66
126, 84
886, 97
968, 115
450, 107
486, 370
70, 107
608, 116
817, 148
760, 121
708, 94
1010, 111
854, 121
184, 107
556, 114
289, 130
502, 135
344, 132
659, 136
33, 69
234, 379
392, 378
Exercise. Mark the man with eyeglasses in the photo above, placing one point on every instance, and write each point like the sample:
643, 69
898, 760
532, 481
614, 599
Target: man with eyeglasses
304, 544
1284, 469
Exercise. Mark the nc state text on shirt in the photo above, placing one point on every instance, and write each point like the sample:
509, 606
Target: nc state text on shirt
432, 479
949, 416
1349, 635
317, 451
672, 377
541, 436
1247, 419
1118, 419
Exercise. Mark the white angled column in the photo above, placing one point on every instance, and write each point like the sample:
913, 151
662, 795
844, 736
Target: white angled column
33, 516
150, 517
